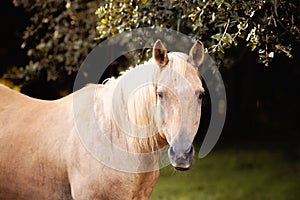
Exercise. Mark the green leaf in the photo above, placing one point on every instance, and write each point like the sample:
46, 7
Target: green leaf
219, 2
253, 47
220, 48
217, 36
227, 38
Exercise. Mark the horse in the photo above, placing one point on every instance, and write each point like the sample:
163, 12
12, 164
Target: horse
43, 155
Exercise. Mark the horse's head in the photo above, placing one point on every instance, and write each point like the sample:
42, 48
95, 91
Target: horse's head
179, 93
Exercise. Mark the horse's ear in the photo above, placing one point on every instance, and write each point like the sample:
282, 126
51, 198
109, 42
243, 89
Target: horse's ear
196, 55
160, 54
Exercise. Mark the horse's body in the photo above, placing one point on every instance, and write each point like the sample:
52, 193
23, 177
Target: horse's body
42, 155
47, 160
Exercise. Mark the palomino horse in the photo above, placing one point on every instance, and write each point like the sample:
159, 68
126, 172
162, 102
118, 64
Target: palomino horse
42, 155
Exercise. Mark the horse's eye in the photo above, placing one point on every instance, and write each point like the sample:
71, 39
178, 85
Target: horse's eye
200, 95
160, 94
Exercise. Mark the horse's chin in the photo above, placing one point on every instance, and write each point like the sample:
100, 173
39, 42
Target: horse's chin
182, 167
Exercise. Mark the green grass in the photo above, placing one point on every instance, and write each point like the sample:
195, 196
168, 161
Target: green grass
232, 174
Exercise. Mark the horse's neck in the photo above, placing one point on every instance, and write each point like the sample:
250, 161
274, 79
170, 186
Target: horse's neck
104, 138
119, 129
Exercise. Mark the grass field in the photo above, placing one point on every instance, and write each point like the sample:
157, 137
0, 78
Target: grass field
234, 174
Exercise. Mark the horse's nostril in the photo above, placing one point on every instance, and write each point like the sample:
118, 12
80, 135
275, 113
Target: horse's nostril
171, 151
190, 150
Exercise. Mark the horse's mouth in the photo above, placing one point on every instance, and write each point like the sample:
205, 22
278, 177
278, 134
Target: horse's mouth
182, 168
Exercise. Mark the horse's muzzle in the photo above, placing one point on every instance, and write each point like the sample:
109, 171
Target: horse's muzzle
181, 159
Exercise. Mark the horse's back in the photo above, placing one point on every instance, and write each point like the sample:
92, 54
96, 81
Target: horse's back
13, 101
16, 109
31, 147
7, 96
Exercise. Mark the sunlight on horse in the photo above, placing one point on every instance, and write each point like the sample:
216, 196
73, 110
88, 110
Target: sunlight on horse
108, 145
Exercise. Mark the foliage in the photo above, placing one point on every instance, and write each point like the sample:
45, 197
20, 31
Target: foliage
58, 38
266, 26
60, 34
